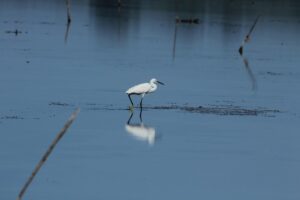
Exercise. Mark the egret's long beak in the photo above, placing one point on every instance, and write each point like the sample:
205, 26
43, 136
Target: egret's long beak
160, 83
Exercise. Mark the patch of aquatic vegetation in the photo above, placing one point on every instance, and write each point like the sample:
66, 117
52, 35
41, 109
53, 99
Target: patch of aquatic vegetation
209, 109
232, 110
220, 110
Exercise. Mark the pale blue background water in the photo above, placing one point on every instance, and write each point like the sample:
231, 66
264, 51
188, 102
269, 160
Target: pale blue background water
196, 155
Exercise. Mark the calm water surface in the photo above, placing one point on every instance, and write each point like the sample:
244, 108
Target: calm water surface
47, 71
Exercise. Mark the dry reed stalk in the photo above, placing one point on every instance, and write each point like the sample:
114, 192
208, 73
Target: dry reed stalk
247, 37
48, 152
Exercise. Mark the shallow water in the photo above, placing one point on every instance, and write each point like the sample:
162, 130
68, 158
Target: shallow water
219, 129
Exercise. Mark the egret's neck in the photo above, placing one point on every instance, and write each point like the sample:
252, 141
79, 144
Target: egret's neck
153, 87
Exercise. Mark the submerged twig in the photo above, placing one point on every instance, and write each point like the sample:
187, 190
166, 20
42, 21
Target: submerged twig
48, 152
247, 37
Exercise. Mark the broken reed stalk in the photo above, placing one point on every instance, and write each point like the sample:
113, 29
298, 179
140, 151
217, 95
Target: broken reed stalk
247, 38
68, 2
48, 152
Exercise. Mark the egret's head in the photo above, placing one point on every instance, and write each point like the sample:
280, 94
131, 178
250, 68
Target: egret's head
156, 81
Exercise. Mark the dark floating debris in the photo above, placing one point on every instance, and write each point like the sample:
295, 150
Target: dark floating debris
16, 32
274, 73
58, 104
187, 20
270, 73
47, 23
12, 117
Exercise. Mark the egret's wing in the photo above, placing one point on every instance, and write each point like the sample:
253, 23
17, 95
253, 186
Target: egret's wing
139, 89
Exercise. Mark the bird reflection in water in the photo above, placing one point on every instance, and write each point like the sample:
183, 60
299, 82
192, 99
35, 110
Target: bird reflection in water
140, 131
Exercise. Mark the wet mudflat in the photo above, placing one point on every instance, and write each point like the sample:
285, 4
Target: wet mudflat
225, 125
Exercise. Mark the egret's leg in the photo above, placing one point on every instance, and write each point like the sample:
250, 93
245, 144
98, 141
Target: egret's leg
141, 116
141, 103
130, 107
128, 122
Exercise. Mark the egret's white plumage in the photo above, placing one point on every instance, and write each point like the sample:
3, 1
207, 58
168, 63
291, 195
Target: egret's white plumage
142, 89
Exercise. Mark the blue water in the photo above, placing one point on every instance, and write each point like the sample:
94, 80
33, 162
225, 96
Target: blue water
45, 76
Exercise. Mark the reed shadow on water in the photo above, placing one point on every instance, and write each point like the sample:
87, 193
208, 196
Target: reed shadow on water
250, 73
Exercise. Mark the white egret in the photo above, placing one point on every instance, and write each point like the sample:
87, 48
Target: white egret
142, 89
